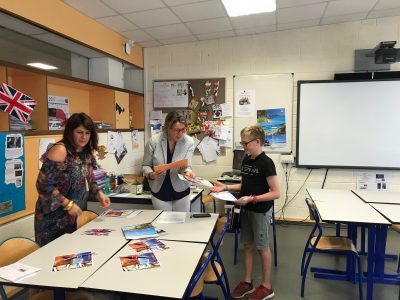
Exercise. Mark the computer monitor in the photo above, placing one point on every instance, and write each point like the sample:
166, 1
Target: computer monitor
238, 155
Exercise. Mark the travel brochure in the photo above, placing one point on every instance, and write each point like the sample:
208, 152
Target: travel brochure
17, 271
141, 231
196, 180
121, 213
225, 196
73, 261
141, 261
148, 245
98, 231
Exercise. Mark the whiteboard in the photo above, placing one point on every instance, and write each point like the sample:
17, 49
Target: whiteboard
273, 91
350, 124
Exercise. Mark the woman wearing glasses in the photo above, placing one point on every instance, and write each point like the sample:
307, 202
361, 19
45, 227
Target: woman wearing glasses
172, 144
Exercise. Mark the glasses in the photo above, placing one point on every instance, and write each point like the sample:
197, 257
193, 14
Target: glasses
177, 130
244, 144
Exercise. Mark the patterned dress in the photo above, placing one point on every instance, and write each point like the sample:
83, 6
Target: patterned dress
72, 179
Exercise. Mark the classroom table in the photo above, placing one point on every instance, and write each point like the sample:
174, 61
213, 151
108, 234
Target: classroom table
390, 211
145, 198
177, 265
378, 197
59, 281
355, 211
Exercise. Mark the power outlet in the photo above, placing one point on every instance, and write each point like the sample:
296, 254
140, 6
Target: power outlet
287, 159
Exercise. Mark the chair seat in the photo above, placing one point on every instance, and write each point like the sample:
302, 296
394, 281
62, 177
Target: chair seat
69, 295
396, 227
334, 243
198, 288
208, 199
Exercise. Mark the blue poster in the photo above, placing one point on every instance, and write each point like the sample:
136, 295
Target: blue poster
12, 183
273, 122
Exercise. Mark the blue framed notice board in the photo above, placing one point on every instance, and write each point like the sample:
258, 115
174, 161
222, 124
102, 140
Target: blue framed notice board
12, 174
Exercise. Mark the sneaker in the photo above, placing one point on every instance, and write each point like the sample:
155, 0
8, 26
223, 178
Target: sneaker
242, 289
262, 293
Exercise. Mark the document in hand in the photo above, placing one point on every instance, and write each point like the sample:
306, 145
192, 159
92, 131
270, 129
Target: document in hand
141, 231
196, 180
17, 271
176, 164
225, 196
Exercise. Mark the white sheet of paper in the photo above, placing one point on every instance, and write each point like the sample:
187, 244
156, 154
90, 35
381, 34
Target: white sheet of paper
172, 217
225, 196
156, 115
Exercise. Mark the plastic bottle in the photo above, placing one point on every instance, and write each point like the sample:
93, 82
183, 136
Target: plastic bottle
107, 186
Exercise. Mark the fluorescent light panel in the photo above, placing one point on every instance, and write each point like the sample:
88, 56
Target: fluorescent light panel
42, 66
237, 8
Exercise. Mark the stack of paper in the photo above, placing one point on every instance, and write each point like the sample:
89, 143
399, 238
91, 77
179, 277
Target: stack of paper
197, 181
225, 196
17, 271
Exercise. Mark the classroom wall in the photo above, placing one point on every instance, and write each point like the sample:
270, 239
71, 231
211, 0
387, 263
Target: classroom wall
310, 53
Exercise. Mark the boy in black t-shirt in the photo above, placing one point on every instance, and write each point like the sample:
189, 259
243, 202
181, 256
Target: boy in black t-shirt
258, 189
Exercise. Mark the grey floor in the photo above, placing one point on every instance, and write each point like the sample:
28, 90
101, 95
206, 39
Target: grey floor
286, 277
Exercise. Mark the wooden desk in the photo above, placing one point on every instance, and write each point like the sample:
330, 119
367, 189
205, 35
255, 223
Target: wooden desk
378, 197
171, 279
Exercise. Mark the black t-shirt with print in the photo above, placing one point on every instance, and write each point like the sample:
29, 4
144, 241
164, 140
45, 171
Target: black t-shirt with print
254, 180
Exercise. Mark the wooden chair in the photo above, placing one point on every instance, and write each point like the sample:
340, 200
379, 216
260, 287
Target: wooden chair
207, 199
327, 244
16, 248
215, 272
85, 217
195, 287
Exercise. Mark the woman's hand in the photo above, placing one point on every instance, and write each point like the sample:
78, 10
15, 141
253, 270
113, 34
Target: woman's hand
189, 173
243, 200
103, 199
156, 175
218, 187
75, 210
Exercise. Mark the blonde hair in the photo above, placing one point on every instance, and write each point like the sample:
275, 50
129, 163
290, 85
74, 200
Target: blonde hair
254, 132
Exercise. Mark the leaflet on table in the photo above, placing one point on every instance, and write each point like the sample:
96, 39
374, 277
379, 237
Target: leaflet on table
141, 231
196, 180
171, 217
139, 262
98, 231
17, 271
121, 213
73, 261
225, 196
150, 244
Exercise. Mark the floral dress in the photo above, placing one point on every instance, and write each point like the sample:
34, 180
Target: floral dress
73, 179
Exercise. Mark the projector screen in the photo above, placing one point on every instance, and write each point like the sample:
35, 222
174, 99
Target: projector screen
348, 124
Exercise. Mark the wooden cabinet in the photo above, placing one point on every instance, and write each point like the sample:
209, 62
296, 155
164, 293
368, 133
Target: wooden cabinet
103, 103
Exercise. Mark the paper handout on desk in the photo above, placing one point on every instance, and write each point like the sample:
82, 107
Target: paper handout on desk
176, 164
197, 181
140, 231
172, 217
17, 271
226, 196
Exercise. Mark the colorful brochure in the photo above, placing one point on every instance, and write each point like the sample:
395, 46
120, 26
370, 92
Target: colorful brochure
141, 231
118, 212
139, 262
148, 245
73, 261
197, 181
98, 231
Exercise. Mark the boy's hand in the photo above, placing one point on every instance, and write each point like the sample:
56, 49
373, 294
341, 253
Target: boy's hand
243, 200
218, 187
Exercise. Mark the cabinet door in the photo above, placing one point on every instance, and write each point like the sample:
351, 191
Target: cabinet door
121, 110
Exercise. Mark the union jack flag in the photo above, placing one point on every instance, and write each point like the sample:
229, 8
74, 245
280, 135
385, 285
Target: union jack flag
16, 103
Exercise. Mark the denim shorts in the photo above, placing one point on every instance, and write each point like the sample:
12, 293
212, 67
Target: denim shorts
254, 228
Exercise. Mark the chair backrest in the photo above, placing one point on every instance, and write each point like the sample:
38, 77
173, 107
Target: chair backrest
195, 286
85, 217
311, 208
15, 248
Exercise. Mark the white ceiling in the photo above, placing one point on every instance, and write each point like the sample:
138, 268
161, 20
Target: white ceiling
161, 22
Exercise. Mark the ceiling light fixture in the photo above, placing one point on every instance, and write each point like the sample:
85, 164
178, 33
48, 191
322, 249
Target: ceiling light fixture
237, 8
42, 66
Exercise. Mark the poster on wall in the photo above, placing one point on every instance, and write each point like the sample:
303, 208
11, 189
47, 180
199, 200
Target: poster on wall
373, 181
273, 122
58, 110
245, 103
12, 188
170, 94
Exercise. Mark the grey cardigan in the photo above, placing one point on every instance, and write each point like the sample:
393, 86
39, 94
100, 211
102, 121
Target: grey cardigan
155, 153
